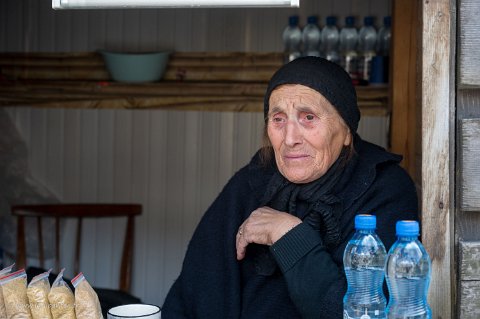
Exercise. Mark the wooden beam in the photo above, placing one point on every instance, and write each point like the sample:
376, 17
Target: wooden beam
438, 89
403, 79
175, 95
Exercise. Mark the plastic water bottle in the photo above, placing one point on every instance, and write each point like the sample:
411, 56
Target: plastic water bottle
364, 262
408, 274
348, 47
367, 41
330, 39
292, 39
311, 37
384, 37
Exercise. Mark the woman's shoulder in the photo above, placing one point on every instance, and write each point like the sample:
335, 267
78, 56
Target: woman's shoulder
382, 164
379, 169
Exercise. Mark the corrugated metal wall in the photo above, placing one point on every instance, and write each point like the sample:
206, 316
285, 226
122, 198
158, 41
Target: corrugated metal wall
174, 163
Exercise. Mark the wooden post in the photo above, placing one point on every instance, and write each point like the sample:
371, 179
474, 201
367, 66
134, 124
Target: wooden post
437, 84
403, 79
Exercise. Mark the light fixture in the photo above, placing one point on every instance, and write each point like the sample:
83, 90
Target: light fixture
126, 4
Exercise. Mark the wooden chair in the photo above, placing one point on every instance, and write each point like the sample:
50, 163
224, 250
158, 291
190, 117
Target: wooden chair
79, 212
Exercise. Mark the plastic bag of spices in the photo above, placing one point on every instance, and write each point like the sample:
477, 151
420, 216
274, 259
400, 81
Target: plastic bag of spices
61, 298
14, 290
5, 271
37, 293
87, 305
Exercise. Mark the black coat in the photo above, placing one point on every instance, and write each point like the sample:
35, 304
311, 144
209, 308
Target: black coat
310, 280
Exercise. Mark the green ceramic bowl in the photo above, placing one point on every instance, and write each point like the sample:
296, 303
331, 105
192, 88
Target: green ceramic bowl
136, 67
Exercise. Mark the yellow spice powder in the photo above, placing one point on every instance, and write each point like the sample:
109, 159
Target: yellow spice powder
87, 305
3, 311
37, 294
62, 302
15, 298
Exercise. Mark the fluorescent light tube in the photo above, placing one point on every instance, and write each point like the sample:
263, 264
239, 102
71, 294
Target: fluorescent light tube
126, 4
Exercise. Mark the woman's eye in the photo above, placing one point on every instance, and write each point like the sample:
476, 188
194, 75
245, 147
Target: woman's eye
309, 117
278, 119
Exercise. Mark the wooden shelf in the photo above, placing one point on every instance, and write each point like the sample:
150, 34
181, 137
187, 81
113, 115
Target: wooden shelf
234, 82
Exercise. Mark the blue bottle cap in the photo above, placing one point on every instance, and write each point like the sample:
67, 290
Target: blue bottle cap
365, 221
350, 21
408, 228
293, 20
387, 21
368, 21
331, 20
312, 19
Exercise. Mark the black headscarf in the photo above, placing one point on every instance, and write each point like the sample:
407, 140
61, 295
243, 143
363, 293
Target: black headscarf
325, 77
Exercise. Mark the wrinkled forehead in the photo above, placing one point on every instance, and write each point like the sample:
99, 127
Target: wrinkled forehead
299, 96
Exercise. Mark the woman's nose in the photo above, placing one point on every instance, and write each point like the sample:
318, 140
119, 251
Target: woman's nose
293, 133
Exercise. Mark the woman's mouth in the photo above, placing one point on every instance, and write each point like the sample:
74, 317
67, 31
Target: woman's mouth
295, 156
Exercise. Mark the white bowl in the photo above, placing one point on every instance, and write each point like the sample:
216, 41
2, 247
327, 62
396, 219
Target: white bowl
136, 67
142, 311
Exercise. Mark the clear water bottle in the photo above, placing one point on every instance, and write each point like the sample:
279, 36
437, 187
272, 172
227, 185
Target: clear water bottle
348, 47
367, 41
330, 39
408, 274
292, 39
384, 37
311, 37
364, 262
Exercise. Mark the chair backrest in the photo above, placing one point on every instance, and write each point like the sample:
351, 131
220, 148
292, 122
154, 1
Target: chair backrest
76, 211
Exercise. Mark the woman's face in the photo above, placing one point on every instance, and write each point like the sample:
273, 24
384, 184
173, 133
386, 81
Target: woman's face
306, 132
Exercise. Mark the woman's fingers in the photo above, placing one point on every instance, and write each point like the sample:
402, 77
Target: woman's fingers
264, 226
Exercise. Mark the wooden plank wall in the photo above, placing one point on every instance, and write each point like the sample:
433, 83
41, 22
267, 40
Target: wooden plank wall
469, 283
467, 213
174, 163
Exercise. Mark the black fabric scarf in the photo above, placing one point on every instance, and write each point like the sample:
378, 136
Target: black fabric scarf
323, 207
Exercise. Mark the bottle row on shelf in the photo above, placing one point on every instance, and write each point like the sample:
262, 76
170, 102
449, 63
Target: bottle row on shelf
363, 52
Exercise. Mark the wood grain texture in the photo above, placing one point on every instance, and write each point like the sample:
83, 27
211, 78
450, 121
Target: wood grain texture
469, 169
469, 300
468, 43
209, 81
469, 255
437, 147
404, 92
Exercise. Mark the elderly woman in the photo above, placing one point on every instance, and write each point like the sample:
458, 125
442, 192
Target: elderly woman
271, 244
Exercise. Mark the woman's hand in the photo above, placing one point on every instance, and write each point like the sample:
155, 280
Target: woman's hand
264, 226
